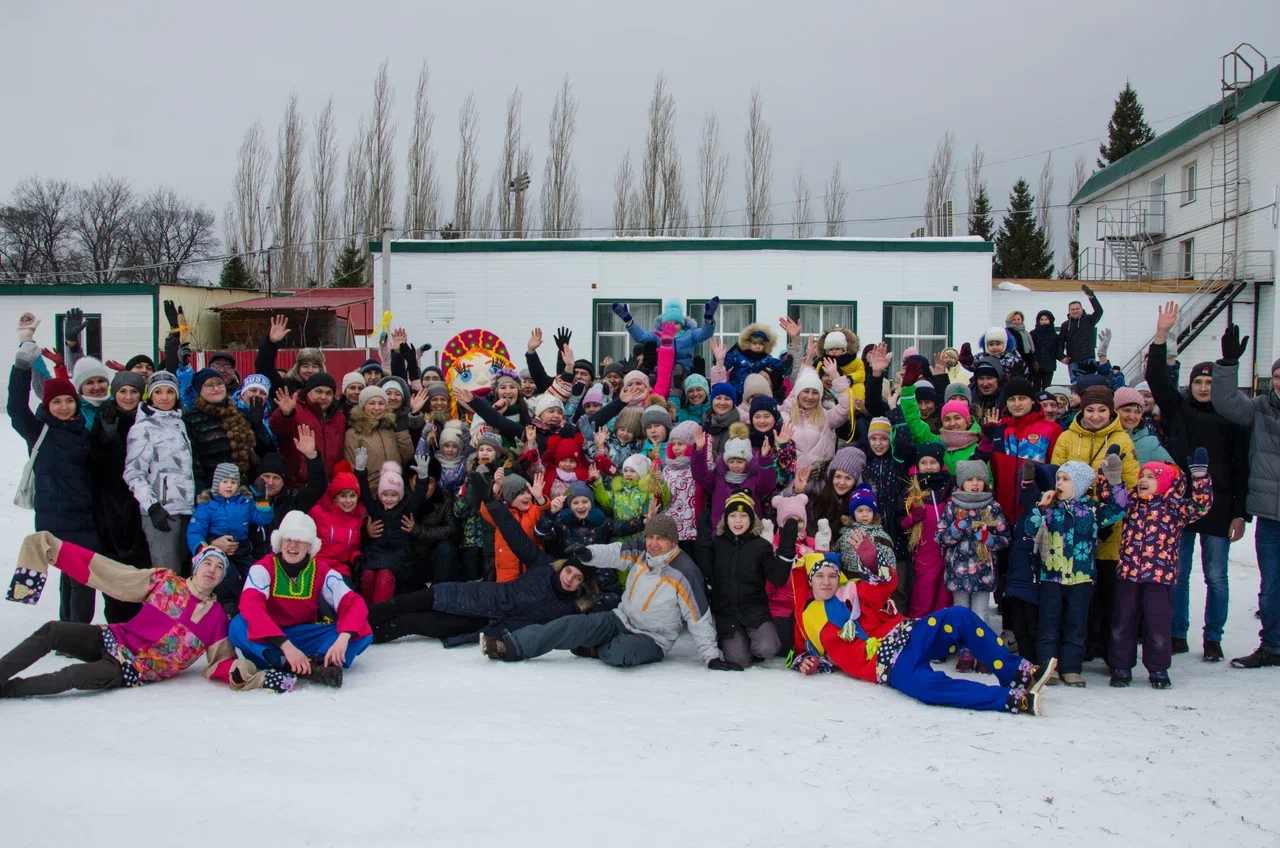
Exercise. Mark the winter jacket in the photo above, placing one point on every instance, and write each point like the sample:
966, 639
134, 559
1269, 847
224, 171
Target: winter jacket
116, 514
692, 335
761, 481
63, 486
740, 364
968, 547
1045, 340
919, 514
874, 551
218, 434
1012, 360
1078, 337
1146, 445
742, 568
1011, 443
560, 530
683, 497
1152, 532
815, 442
1091, 449
1072, 529
858, 657
159, 461
436, 522
887, 477
1024, 561
664, 595
1189, 424
967, 441
339, 534
330, 429
218, 516
380, 438
507, 564
1261, 415
393, 550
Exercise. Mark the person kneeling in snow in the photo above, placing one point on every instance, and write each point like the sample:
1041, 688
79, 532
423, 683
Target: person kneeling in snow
279, 627
179, 621
663, 594
845, 625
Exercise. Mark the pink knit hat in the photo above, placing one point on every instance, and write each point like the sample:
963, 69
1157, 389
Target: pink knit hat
392, 479
960, 407
792, 507
1125, 396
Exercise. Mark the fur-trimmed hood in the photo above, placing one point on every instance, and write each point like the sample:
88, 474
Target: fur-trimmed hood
723, 527
852, 346
770, 336
364, 424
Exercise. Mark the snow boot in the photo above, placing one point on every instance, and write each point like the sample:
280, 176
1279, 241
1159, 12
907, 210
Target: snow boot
1160, 680
497, 649
1041, 675
1121, 678
1261, 658
965, 662
1024, 702
1212, 651
329, 675
1073, 679
1180, 646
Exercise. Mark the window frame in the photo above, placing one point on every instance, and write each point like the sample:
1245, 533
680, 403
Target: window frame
704, 349
1187, 259
91, 340
823, 303
595, 324
1189, 193
887, 323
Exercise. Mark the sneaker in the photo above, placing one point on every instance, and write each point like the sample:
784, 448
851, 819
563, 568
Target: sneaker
585, 653
1120, 678
965, 663
494, 649
1073, 679
328, 675
1180, 646
1212, 651
1160, 680
1261, 658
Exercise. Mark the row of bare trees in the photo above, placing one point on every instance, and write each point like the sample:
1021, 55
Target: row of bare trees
52, 232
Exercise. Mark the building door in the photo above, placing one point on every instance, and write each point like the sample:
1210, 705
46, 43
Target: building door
1155, 206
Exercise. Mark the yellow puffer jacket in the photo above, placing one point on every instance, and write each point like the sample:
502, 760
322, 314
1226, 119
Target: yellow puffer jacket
1091, 448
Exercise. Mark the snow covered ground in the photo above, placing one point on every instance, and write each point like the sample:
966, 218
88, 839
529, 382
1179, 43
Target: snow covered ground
424, 746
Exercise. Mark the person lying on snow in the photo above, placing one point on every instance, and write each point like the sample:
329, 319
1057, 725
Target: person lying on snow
180, 621
846, 625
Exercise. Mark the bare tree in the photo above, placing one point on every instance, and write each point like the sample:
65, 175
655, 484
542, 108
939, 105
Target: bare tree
624, 196
1079, 174
758, 169
511, 220
100, 222
35, 228
382, 158
662, 202
942, 175
355, 188
713, 167
1044, 205
249, 187
169, 232
973, 179
834, 203
324, 174
422, 200
560, 196
468, 167
290, 196
802, 224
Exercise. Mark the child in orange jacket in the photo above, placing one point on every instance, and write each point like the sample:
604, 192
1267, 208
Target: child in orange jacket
526, 503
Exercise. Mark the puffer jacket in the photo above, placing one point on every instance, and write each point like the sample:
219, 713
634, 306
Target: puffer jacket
218, 516
816, 442
434, 523
330, 428
1024, 562
1073, 528
1262, 416
118, 518
1146, 445
557, 532
158, 461
1091, 449
1153, 528
1046, 341
380, 438
506, 563
968, 568
339, 534
887, 477
663, 595
742, 570
1011, 443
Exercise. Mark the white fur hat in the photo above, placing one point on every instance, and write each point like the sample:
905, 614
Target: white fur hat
297, 526
835, 340
546, 402
737, 449
996, 334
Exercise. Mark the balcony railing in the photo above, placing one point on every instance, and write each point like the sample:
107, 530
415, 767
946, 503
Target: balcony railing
1104, 264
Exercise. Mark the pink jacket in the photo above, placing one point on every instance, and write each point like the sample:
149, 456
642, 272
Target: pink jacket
339, 534
817, 442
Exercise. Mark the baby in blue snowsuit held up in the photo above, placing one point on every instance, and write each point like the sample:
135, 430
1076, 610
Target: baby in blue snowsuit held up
222, 517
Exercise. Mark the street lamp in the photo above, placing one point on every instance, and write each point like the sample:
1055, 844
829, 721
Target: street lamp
518, 185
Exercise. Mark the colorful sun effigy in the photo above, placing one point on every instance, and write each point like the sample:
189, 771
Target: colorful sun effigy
473, 358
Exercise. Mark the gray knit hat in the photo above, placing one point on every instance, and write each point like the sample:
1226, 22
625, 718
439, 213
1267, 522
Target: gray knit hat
513, 486
851, 461
664, 526
163, 378
226, 471
971, 469
1082, 476
957, 390
128, 378
655, 414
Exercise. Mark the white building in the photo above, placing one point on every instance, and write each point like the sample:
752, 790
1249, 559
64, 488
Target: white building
1197, 206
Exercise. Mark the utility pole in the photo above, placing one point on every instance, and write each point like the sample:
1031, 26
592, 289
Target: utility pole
518, 185
387, 229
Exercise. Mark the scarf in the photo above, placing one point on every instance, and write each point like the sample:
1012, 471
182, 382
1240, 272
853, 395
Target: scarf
954, 440
566, 476
239, 432
717, 426
735, 478
95, 402
445, 462
976, 501
677, 463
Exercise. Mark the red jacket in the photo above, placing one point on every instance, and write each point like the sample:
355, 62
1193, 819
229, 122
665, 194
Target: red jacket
339, 534
330, 435
268, 613
1015, 441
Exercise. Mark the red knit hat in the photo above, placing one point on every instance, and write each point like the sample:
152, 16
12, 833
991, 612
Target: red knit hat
57, 387
341, 482
568, 449
1166, 475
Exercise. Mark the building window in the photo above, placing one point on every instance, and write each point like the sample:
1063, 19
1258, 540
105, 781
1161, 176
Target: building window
731, 320
611, 340
924, 326
1186, 252
819, 316
1188, 183
90, 339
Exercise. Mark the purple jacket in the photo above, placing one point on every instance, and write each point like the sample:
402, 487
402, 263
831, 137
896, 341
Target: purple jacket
761, 481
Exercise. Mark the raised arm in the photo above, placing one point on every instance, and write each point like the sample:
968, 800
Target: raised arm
1225, 396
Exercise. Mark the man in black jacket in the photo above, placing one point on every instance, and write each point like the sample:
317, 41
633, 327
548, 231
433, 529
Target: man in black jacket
1191, 422
1078, 338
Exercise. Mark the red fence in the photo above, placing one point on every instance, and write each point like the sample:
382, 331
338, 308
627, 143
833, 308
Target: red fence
336, 361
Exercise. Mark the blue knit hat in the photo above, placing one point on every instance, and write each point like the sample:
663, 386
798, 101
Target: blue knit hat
579, 489
697, 381
201, 377
864, 495
725, 389
766, 403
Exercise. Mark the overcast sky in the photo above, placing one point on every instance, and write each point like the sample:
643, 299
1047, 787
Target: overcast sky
161, 93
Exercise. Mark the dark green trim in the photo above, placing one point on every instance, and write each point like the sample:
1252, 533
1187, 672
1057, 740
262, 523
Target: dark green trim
951, 316
155, 323
79, 290
595, 303
627, 245
1265, 89
852, 303
704, 349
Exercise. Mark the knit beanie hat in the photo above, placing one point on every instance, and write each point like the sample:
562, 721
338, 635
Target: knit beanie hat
740, 501
663, 526
635, 377
806, 379
1065, 391
737, 448
392, 383
579, 489
863, 495
256, 381
368, 393
272, 463
995, 334
1081, 474
513, 486
697, 381
226, 471
546, 402
972, 469
58, 387
320, 379
437, 389
851, 461
203, 376
568, 449
1165, 473
925, 391
452, 432
585, 365
370, 364
297, 526
138, 360
758, 384
594, 395
1098, 394
505, 375
835, 340
391, 478
88, 368
987, 367
1019, 386
1144, 386
343, 481
1126, 396
128, 378
959, 407
160, 378
639, 463
629, 420
934, 449
611, 368
880, 424
655, 415
725, 389
488, 437
685, 431
792, 507
352, 378
1200, 369
957, 390
432, 369
766, 403
209, 552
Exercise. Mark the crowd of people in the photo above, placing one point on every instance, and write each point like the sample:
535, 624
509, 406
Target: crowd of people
841, 505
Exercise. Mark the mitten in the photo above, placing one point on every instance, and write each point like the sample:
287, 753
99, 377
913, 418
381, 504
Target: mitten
766, 528
1104, 341
1199, 464
259, 486
620, 309
911, 373
27, 325
1028, 472
822, 539
1088, 292
159, 517
917, 514
966, 356
1113, 466
709, 312
26, 356
581, 553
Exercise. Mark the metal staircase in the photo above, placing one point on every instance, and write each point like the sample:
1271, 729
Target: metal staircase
1127, 238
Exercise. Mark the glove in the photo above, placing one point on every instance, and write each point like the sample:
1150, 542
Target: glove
73, 325
184, 355
257, 408
620, 309
561, 338
579, 388
1104, 341
966, 356
477, 482
1112, 466
709, 312
788, 535
114, 364
159, 517
54, 357
723, 665
109, 417
1088, 292
1028, 472
1198, 465
822, 539
27, 325
911, 373
362, 457
258, 487
1019, 369
1232, 345
171, 313
28, 353
989, 428
581, 553
422, 467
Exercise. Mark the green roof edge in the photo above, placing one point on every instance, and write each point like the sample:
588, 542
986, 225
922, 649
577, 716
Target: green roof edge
628, 245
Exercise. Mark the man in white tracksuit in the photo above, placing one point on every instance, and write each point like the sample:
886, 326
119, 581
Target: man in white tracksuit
664, 594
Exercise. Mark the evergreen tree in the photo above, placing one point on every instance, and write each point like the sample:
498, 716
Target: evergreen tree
980, 222
1021, 251
348, 272
1128, 129
235, 275
448, 233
